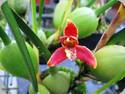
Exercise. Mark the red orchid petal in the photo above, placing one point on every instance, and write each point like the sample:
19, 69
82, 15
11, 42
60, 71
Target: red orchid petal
57, 57
71, 29
62, 39
85, 55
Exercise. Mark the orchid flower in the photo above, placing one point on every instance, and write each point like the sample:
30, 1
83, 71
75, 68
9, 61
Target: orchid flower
71, 49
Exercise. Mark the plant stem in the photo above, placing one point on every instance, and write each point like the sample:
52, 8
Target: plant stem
4, 37
39, 80
34, 22
105, 7
53, 70
41, 11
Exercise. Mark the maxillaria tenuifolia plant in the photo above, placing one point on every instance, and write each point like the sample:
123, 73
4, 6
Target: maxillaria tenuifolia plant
73, 23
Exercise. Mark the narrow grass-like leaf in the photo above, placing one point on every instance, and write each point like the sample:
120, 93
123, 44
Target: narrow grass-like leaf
32, 36
4, 37
34, 22
21, 44
111, 82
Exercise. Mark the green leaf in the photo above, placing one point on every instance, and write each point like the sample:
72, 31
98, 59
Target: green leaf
32, 36
21, 44
34, 21
4, 37
118, 38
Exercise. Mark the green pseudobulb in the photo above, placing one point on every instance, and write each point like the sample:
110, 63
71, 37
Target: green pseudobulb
20, 6
110, 62
85, 20
57, 83
42, 89
59, 11
13, 62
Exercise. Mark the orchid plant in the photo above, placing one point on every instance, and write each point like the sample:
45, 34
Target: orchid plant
71, 20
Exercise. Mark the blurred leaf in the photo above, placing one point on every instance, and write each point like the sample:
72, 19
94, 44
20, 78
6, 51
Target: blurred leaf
80, 89
42, 36
34, 21
21, 44
48, 33
51, 39
122, 1
36, 52
3, 22
118, 38
32, 36
1, 67
4, 37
